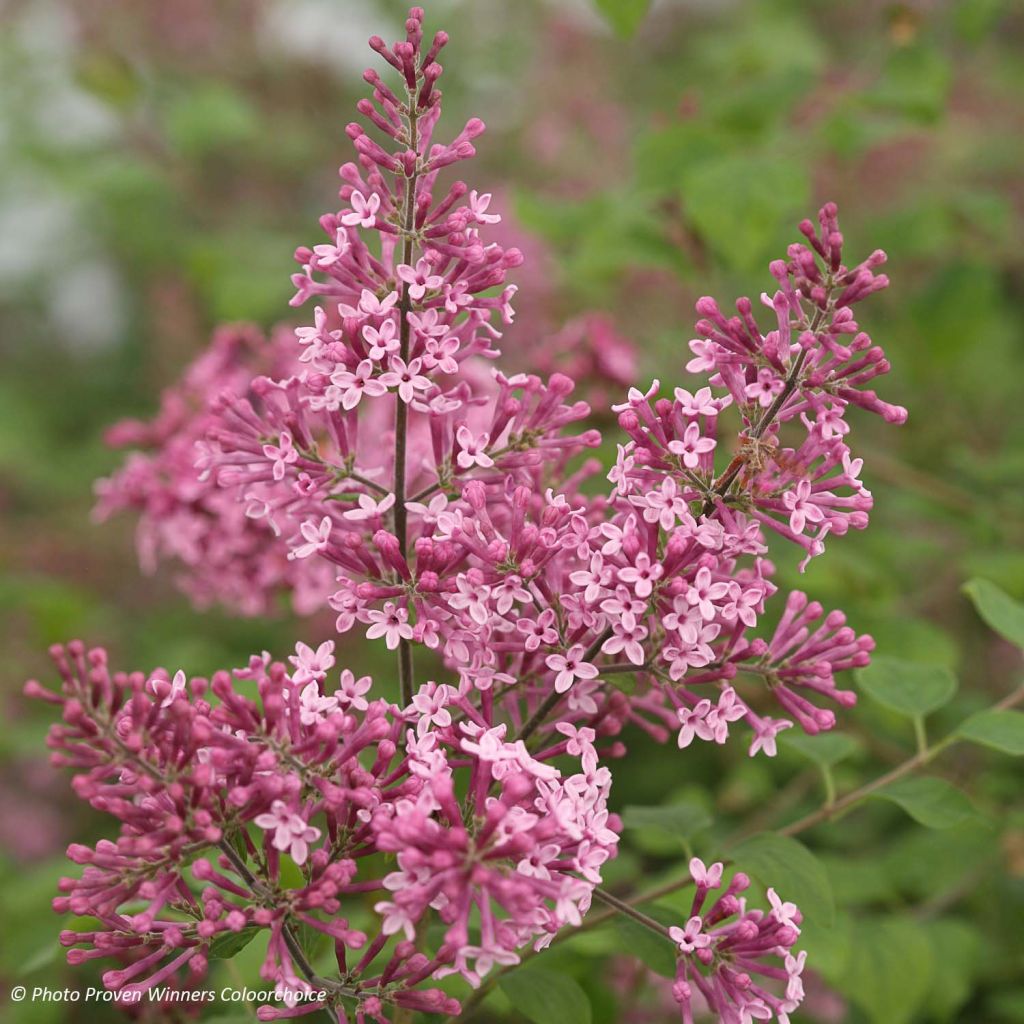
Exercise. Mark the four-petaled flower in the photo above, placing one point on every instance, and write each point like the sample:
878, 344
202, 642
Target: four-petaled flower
765, 388
802, 510
784, 912
367, 508
407, 379
292, 834
281, 454
317, 538
353, 385
310, 665
473, 450
390, 622
169, 692
707, 877
570, 667
420, 278
691, 938
692, 446
363, 212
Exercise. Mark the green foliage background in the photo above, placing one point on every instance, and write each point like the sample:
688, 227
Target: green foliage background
158, 165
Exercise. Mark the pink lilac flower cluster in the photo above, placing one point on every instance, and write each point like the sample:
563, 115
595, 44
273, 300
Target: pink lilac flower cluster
256, 800
223, 555
445, 505
721, 946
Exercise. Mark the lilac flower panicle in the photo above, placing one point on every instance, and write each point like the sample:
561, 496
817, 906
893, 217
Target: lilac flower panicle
376, 461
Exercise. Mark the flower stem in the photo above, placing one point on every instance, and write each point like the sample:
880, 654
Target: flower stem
627, 909
405, 668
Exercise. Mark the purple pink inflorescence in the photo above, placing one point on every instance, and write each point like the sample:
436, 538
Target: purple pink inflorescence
375, 462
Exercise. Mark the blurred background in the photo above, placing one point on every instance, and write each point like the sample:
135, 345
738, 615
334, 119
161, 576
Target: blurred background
159, 163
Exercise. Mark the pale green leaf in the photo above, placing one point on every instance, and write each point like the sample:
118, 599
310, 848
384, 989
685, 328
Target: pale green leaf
931, 802
227, 944
907, 687
825, 749
546, 997
1000, 730
1000, 611
792, 870
653, 950
889, 970
682, 820
624, 16
739, 203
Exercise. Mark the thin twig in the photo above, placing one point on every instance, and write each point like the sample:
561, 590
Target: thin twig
919, 759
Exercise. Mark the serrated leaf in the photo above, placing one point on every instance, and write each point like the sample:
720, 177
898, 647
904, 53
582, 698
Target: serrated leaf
787, 866
546, 997
931, 802
889, 969
227, 944
1000, 730
653, 950
825, 749
682, 820
1000, 611
624, 16
907, 687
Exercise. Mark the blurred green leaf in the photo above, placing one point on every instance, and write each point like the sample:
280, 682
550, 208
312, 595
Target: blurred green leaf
110, 77
792, 870
906, 686
738, 204
651, 949
956, 946
624, 16
825, 749
211, 116
931, 802
1000, 730
227, 944
1000, 611
889, 970
682, 820
975, 19
546, 997
914, 83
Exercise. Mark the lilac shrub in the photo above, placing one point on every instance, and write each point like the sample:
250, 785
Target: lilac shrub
377, 463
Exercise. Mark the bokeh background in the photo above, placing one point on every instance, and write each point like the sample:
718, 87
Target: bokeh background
159, 162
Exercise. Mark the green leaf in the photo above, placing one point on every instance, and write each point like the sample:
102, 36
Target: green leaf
624, 16
1000, 730
211, 116
907, 687
825, 749
739, 203
227, 944
1000, 611
43, 957
932, 802
889, 971
915, 83
956, 946
792, 870
546, 997
653, 950
682, 820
